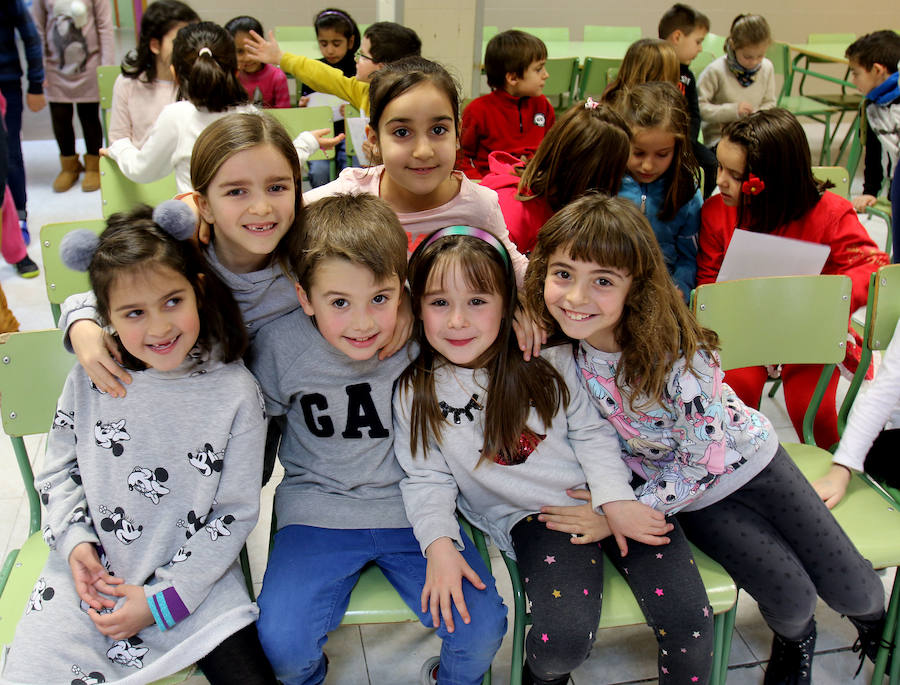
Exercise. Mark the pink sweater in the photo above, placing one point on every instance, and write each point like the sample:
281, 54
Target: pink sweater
472, 206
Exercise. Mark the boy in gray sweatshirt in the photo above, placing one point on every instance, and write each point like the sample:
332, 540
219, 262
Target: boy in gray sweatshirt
339, 506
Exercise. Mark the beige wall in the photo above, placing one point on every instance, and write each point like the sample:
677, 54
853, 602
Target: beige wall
791, 20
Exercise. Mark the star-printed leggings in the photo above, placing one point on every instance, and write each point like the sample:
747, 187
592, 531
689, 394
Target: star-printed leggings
564, 584
780, 543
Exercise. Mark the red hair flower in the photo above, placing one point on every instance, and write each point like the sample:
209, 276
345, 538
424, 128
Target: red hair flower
753, 185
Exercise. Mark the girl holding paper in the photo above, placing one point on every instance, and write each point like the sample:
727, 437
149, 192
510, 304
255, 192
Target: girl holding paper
767, 185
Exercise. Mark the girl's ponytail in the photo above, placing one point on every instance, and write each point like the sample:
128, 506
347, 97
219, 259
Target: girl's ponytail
205, 64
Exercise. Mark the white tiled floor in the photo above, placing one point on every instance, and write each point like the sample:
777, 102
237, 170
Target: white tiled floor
395, 653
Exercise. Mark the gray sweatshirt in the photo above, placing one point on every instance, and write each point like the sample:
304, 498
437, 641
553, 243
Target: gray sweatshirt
338, 446
578, 449
166, 483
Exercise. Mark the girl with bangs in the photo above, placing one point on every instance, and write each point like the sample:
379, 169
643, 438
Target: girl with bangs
597, 276
466, 443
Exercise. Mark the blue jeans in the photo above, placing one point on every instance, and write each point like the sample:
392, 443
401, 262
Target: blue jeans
306, 589
12, 91
320, 169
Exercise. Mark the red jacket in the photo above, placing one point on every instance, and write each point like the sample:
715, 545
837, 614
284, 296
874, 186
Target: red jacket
499, 121
523, 218
831, 222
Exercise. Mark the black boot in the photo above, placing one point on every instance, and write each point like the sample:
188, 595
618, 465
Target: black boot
870, 640
791, 660
528, 678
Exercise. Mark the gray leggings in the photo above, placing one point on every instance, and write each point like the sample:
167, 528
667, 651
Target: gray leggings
780, 543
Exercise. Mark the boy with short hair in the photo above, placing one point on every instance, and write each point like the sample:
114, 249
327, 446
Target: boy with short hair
685, 28
383, 42
873, 69
339, 505
515, 115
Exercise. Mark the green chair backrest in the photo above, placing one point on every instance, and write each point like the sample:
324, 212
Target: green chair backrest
295, 33
714, 43
488, 32
612, 74
106, 78
33, 368
616, 34
119, 194
886, 309
593, 76
560, 83
837, 175
779, 55
552, 33
701, 61
350, 112
779, 320
299, 119
62, 281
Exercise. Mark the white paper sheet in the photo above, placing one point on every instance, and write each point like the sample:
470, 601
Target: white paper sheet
327, 100
355, 127
752, 255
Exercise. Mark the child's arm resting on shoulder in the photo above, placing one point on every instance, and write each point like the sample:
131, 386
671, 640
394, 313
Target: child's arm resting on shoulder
180, 586
443, 582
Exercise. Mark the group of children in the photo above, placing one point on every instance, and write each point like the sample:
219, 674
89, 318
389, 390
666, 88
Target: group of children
393, 409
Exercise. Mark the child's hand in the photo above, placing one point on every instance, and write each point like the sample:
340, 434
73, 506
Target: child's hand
635, 520
129, 619
91, 577
35, 101
103, 152
263, 50
832, 486
580, 520
443, 582
97, 354
325, 141
303, 101
745, 108
860, 202
402, 329
529, 333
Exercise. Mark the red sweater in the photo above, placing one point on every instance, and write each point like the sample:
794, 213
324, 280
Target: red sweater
267, 87
831, 222
523, 218
499, 121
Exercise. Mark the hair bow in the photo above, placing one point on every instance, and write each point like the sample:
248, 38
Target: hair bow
754, 185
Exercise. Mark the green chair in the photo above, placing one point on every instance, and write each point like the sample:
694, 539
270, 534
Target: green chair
559, 87
547, 33
837, 175
615, 34
299, 119
714, 43
61, 281
488, 32
594, 76
806, 323
295, 33
119, 194
620, 608
883, 210
800, 105
106, 78
701, 61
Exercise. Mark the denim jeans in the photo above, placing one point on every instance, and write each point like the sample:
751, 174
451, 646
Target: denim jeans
306, 589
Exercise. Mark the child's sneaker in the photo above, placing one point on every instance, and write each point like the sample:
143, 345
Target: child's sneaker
26, 268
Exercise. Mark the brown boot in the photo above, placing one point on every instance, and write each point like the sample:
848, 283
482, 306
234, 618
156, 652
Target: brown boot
91, 180
71, 167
